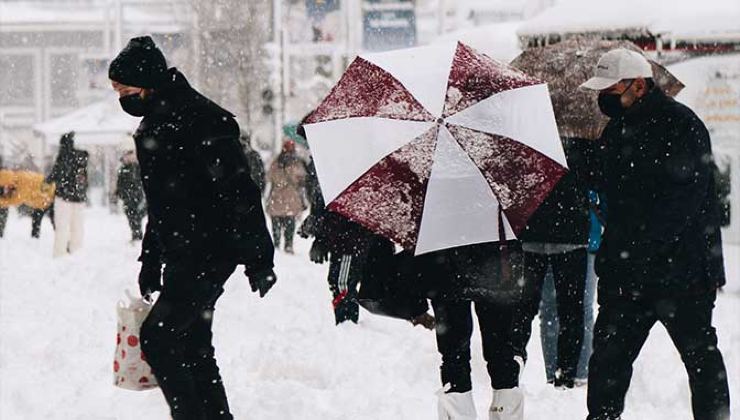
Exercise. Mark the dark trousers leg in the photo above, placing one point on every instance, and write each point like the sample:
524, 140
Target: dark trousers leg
289, 229
176, 339
37, 216
621, 329
569, 274
535, 267
277, 228
345, 272
3, 220
689, 323
134, 217
454, 327
495, 323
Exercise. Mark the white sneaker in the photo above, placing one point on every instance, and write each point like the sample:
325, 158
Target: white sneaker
456, 406
507, 404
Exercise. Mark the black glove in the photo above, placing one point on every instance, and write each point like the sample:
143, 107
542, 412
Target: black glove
150, 279
262, 281
319, 254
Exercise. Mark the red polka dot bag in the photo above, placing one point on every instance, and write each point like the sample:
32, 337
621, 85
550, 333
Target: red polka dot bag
130, 369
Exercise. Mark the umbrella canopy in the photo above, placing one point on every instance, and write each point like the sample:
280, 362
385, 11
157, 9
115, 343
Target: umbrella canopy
565, 65
436, 147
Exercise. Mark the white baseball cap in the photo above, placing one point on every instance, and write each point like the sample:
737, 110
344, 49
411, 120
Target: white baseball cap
618, 65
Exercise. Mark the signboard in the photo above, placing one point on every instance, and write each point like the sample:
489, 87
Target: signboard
388, 24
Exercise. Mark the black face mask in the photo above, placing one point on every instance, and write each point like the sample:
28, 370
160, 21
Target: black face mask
134, 105
611, 104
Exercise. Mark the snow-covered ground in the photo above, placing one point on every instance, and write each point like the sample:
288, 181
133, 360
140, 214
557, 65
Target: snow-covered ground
282, 358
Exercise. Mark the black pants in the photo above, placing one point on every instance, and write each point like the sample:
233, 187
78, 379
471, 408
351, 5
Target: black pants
569, 274
454, 328
345, 272
176, 339
134, 216
623, 325
283, 225
3, 220
37, 216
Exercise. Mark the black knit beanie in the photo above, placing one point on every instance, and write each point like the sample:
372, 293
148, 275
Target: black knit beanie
139, 64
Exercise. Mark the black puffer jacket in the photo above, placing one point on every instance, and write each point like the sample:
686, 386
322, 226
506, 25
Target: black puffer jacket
656, 168
69, 172
128, 185
563, 217
201, 199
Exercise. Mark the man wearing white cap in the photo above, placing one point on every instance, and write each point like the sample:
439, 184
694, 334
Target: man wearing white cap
661, 255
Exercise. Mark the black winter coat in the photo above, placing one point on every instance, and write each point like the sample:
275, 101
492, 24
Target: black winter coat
656, 168
69, 173
563, 217
201, 200
128, 185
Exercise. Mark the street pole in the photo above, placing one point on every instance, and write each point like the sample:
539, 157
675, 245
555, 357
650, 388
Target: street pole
441, 16
278, 42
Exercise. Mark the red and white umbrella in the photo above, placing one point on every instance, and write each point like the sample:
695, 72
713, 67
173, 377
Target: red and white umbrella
436, 147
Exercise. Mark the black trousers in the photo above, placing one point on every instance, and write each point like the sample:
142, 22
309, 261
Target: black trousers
3, 220
623, 325
569, 274
37, 216
176, 339
345, 273
134, 216
454, 328
283, 225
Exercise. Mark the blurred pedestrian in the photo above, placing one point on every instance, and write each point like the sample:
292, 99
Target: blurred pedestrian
5, 191
256, 165
204, 218
69, 174
130, 191
554, 243
661, 255
286, 201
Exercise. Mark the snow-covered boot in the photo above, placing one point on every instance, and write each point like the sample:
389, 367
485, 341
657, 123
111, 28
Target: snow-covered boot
507, 404
456, 406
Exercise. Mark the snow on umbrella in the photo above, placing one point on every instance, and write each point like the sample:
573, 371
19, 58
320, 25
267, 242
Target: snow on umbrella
436, 147
565, 65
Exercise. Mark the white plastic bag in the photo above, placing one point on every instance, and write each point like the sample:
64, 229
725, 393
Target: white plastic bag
130, 369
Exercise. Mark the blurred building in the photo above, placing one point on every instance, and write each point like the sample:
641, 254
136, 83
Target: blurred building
54, 56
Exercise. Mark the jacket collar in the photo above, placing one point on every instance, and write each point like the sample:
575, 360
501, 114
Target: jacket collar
645, 107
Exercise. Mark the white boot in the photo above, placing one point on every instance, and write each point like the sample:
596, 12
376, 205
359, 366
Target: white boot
456, 406
507, 404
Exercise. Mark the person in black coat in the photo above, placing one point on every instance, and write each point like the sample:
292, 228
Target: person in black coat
661, 255
256, 165
205, 217
130, 191
556, 238
69, 174
3, 210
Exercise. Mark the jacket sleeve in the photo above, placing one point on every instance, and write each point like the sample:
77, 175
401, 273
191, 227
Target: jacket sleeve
239, 198
151, 251
684, 178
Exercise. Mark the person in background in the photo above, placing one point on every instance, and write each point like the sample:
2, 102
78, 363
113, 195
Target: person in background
4, 192
69, 174
256, 165
37, 214
205, 218
660, 258
554, 243
130, 191
286, 201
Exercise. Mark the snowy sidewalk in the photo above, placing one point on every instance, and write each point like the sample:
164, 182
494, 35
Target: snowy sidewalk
281, 357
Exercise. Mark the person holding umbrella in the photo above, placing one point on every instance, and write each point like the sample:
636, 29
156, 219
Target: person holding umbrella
661, 255
449, 162
205, 218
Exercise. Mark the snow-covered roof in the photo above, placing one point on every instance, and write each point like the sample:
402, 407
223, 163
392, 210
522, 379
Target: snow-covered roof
102, 123
678, 19
498, 41
155, 17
